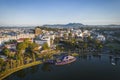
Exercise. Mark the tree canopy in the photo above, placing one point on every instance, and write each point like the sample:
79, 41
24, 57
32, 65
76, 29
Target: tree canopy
6, 51
45, 46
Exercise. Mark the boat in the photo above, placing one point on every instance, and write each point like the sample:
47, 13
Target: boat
65, 60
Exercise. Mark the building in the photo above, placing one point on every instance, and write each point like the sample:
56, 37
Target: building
100, 38
38, 31
45, 38
17, 37
86, 33
22, 39
10, 46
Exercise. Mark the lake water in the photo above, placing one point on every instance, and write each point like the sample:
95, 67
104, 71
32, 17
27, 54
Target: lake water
86, 67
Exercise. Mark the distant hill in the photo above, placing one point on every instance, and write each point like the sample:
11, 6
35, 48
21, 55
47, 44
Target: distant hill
75, 25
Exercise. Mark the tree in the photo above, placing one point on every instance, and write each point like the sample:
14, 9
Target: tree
70, 35
97, 43
100, 47
85, 45
27, 60
72, 42
1, 64
32, 48
65, 36
14, 63
56, 40
57, 47
51, 41
27, 42
6, 51
89, 39
21, 48
45, 46
13, 41
7, 66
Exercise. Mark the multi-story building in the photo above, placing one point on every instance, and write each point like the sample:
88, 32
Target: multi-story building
38, 31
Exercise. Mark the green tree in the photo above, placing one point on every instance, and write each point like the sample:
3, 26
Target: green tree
100, 47
70, 35
85, 45
1, 64
32, 48
72, 42
14, 63
27, 60
6, 51
97, 43
21, 46
51, 41
57, 47
13, 41
21, 49
65, 36
7, 66
56, 40
27, 42
11, 63
45, 46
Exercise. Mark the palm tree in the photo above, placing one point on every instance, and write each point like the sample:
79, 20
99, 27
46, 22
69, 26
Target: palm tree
70, 35
20, 51
6, 51
31, 49
7, 66
45, 46
1, 64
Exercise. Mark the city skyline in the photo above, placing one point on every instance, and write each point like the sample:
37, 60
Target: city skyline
39, 12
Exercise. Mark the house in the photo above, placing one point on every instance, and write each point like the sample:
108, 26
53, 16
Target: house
76, 32
43, 39
10, 46
19, 38
22, 39
100, 38
38, 31
47, 37
3, 57
86, 33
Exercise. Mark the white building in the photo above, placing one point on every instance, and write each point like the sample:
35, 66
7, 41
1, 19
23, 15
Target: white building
100, 38
78, 32
45, 39
8, 38
86, 33
3, 57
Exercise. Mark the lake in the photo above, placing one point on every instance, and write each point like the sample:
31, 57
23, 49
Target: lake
86, 67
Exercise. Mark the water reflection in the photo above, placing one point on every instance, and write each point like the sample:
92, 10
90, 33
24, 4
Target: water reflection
21, 74
114, 60
98, 56
47, 67
96, 65
34, 69
90, 56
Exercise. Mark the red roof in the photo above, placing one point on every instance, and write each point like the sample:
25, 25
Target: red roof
22, 39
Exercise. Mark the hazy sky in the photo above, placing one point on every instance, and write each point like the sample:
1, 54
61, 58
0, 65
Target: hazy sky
38, 12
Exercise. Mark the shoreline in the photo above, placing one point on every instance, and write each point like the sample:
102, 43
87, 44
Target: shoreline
11, 71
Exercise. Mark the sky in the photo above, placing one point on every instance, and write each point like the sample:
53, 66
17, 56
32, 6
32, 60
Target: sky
39, 12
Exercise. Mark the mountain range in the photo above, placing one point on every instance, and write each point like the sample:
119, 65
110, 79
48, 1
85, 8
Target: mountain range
64, 25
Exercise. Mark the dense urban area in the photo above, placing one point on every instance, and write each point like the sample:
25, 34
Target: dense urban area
22, 47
